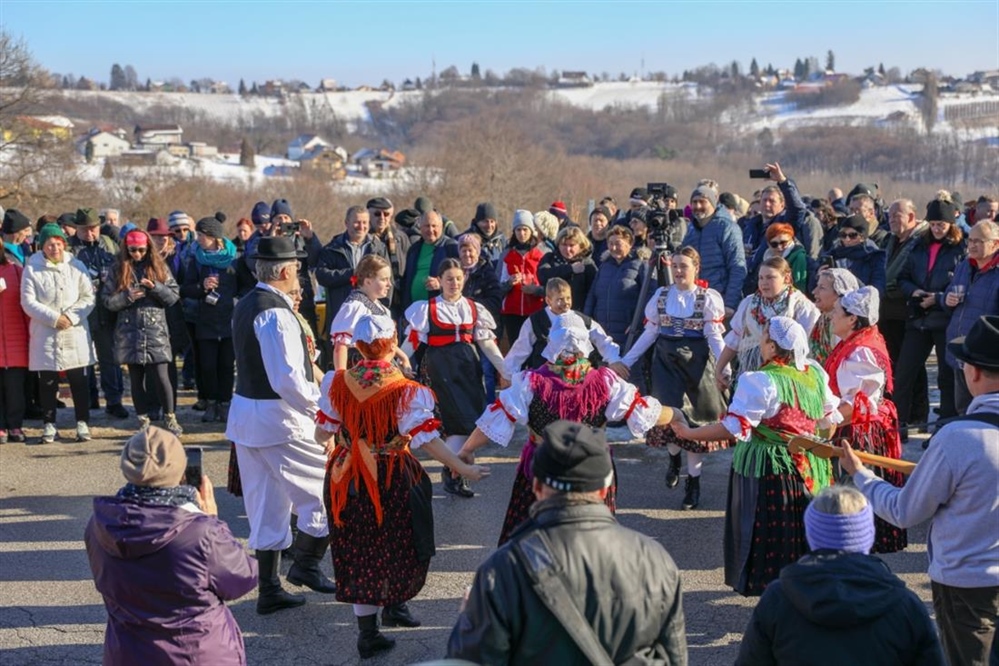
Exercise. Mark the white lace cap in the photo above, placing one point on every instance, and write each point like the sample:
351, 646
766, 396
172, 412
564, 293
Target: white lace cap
843, 281
373, 327
790, 336
863, 302
568, 334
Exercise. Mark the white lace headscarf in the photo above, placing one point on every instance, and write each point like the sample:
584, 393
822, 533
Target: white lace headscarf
863, 302
568, 335
790, 336
843, 281
373, 327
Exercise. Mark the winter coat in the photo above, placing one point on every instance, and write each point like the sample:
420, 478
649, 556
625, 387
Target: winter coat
13, 319
866, 261
141, 335
599, 247
47, 291
180, 337
98, 257
981, 297
482, 286
165, 574
493, 246
916, 275
555, 265
723, 256
613, 298
624, 583
807, 228
518, 300
214, 321
893, 304
335, 268
836, 608
444, 248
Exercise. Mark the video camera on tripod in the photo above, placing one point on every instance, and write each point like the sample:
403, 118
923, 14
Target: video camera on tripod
661, 219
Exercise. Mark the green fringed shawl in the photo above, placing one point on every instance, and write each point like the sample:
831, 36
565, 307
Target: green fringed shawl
803, 390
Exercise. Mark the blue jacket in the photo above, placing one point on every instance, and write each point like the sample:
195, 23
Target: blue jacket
613, 296
981, 297
723, 256
866, 262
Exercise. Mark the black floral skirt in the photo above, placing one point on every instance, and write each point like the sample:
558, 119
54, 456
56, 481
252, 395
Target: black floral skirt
385, 564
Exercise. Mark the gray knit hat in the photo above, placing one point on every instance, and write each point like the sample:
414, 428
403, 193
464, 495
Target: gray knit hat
705, 192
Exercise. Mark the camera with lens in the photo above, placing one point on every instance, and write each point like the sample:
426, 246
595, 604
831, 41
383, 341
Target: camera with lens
660, 218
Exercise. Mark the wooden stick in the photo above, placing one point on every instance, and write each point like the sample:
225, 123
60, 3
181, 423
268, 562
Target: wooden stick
826, 450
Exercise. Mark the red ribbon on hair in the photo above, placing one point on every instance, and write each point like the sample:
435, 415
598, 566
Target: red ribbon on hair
353, 281
703, 284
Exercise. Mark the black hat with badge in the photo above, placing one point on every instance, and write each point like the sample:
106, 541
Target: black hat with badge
980, 347
573, 457
277, 248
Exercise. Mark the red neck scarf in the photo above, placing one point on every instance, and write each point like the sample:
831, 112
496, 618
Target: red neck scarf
868, 337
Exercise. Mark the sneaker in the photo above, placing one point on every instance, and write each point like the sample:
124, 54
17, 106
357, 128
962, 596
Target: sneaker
16, 435
211, 413
3, 436
117, 411
49, 433
200, 406
82, 431
170, 423
144, 421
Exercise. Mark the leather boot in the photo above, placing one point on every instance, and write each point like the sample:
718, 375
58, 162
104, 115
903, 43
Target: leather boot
305, 571
211, 413
692, 497
398, 615
673, 473
371, 641
272, 597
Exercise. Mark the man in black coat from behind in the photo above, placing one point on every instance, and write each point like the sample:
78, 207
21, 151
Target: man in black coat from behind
624, 585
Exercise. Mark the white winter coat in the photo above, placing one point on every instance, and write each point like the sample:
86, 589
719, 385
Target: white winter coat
47, 291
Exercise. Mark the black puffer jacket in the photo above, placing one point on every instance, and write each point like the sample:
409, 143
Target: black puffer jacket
555, 265
837, 608
141, 334
624, 583
482, 286
915, 274
214, 321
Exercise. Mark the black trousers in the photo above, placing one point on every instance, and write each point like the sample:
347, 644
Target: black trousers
915, 350
78, 386
12, 398
893, 331
966, 617
216, 368
160, 377
112, 381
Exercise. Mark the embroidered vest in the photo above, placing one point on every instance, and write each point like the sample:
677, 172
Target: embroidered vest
682, 327
441, 334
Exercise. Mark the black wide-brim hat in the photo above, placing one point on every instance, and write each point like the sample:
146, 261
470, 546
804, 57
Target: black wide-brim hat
980, 347
277, 248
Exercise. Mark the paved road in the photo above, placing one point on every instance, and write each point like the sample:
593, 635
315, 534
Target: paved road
50, 612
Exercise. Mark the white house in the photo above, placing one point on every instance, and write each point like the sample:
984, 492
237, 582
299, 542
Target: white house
158, 135
305, 143
105, 144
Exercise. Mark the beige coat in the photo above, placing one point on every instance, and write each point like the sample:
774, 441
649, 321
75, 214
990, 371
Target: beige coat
47, 291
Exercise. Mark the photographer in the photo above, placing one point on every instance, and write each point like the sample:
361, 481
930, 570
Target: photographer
165, 564
212, 279
140, 290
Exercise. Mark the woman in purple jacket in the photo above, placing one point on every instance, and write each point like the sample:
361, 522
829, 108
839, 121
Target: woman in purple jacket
165, 564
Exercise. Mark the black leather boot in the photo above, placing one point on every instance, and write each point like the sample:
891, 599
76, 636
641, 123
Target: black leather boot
692, 497
272, 597
673, 473
398, 616
309, 551
371, 641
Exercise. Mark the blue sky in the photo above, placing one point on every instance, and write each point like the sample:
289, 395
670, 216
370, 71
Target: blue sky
365, 42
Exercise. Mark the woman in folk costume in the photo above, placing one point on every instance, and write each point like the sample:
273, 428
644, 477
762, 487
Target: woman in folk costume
860, 374
565, 388
448, 331
769, 487
378, 496
372, 282
830, 285
775, 297
685, 323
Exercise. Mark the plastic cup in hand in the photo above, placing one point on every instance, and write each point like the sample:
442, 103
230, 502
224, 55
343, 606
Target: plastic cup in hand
959, 292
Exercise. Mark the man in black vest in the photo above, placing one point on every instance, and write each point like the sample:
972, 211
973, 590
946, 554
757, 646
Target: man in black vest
271, 423
525, 353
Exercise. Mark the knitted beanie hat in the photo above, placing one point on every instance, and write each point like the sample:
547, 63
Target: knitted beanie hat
851, 532
153, 457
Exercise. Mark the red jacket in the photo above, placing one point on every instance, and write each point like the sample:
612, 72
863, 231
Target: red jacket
516, 301
13, 320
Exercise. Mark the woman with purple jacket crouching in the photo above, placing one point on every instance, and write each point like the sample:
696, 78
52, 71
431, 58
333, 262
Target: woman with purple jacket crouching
165, 564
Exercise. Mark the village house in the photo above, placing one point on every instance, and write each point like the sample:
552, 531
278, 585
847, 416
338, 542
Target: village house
327, 85
305, 143
373, 162
158, 135
574, 80
36, 127
103, 143
328, 160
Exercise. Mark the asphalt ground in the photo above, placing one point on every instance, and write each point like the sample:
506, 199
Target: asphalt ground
50, 612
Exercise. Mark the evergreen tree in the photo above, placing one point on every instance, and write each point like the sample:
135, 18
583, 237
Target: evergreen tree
799, 69
118, 81
131, 78
149, 84
475, 71
754, 69
830, 61
242, 88
254, 90
931, 93
107, 173
247, 157
419, 83
881, 69
770, 69
88, 151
